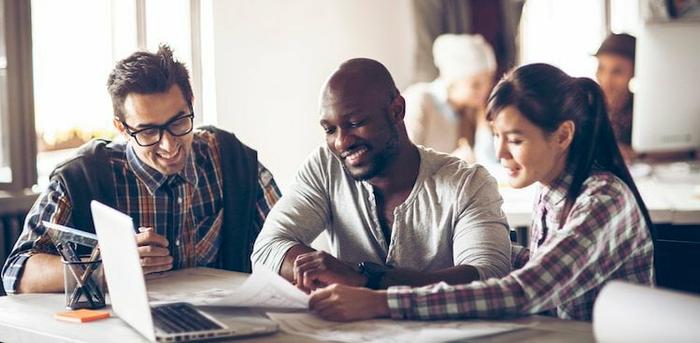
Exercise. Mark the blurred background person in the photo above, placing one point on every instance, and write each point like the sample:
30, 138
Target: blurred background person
615, 70
448, 114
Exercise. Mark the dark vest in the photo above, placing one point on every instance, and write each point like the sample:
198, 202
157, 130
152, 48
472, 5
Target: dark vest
88, 176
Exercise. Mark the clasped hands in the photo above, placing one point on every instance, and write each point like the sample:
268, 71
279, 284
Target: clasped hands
319, 269
337, 288
153, 251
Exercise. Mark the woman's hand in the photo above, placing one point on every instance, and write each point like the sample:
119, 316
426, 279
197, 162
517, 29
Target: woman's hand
344, 303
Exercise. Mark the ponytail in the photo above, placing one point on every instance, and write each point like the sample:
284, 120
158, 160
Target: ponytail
584, 95
603, 152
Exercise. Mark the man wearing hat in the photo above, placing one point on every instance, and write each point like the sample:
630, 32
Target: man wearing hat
615, 70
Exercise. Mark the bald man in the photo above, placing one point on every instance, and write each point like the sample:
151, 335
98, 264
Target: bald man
396, 213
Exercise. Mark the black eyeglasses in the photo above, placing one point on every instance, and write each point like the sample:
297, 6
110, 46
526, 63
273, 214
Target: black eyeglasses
178, 126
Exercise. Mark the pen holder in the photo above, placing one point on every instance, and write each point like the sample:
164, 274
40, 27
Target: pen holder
83, 282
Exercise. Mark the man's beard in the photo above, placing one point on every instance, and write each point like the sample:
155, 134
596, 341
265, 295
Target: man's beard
379, 163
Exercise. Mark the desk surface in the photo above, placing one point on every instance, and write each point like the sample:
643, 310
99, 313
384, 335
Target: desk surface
29, 318
675, 203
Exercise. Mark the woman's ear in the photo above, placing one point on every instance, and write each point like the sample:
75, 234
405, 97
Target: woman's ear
565, 134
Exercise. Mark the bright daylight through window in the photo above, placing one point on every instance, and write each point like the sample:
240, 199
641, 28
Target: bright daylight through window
71, 100
5, 168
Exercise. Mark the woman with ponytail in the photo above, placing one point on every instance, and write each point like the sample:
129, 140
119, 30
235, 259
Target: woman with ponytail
589, 225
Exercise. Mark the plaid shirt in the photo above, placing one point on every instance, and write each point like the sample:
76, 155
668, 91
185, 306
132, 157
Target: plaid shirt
604, 237
186, 208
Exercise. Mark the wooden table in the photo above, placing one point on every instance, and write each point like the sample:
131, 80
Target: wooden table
29, 317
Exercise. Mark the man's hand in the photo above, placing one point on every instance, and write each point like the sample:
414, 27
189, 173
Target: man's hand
344, 303
319, 269
153, 249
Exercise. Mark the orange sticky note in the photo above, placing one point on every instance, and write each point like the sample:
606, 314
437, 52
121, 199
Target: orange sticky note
81, 316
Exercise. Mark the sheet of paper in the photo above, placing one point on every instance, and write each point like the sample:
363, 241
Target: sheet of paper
197, 298
626, 312
263, 288
386, 331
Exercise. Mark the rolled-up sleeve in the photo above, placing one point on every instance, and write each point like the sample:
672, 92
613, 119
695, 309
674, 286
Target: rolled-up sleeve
602, 236
298, 218
53, 206
481, 236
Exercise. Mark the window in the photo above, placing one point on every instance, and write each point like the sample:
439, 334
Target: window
5, 169
173, 28
17, 149
624, 16
564, 33
72, 104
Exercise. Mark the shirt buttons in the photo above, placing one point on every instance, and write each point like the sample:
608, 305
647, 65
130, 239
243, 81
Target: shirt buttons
179, 200
177, 242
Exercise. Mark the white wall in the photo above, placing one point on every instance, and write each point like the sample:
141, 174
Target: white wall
271, 58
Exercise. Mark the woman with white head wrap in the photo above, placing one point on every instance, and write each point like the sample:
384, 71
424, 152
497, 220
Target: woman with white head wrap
448, 113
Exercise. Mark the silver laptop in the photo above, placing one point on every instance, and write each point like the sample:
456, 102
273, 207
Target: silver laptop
127, 291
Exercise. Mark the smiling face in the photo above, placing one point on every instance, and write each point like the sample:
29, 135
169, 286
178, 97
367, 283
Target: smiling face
360, 132
145, 110
528, 153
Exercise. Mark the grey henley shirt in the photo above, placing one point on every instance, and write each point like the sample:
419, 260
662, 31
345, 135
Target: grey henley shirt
451, 217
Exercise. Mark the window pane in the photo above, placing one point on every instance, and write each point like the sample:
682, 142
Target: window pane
168, 22
624, 16
5, 170
564, 33
70, 75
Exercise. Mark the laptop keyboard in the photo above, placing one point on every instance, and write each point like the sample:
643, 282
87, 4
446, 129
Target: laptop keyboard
181, 317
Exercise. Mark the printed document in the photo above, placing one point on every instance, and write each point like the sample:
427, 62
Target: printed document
263, 288
387, 331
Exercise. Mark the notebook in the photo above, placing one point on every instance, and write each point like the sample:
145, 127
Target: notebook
129, 299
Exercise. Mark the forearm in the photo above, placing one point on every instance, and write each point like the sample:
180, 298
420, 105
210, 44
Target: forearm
287, 269
43, 273
456, 275
291, 222
270, 248
482, 299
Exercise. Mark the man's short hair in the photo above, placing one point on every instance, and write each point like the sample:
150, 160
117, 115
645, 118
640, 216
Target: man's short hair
147, 73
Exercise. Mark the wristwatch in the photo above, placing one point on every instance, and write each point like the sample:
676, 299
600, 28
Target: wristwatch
374, 273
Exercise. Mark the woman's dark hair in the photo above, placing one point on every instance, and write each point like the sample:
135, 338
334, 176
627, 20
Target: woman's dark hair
147, 73
548, 97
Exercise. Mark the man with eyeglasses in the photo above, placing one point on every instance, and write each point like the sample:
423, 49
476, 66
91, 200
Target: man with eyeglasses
198, 196
396, 213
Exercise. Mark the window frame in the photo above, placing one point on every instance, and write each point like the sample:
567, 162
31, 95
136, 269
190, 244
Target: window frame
20, 96
20, 91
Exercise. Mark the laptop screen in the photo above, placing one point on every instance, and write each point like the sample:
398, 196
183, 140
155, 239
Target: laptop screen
120, 258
